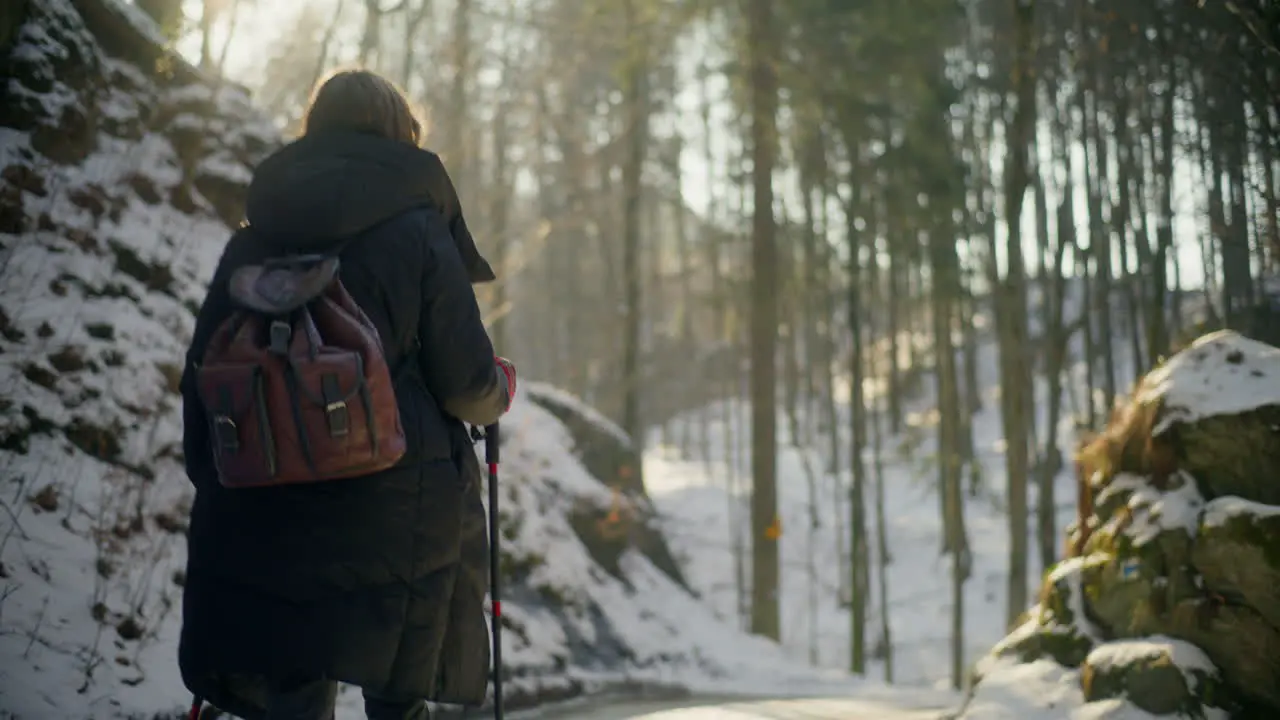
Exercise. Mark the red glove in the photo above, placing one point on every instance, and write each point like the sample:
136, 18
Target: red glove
506, 367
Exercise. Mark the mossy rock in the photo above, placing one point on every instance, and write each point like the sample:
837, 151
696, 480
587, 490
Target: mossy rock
1119, 584
1062, 595
1115, 494
1104, 536
1041, 639
1237, 553
605, 539
1123, 593
1162, 676
1142, 562
1056, 627
1235, 454
1238, 641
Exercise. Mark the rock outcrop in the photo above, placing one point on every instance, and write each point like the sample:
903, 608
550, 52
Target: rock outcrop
628, 521
1172, 601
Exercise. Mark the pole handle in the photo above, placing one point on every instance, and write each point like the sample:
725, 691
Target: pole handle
491, 444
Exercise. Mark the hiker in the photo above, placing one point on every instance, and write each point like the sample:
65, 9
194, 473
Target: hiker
377, 580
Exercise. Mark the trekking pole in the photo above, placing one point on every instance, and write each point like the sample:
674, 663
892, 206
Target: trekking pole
491, 457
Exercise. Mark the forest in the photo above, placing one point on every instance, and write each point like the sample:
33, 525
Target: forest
825, 204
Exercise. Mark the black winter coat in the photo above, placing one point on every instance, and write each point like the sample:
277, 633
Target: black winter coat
376, 581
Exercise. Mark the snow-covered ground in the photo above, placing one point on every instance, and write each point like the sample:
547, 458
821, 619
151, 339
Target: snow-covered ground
870, 706
693, 498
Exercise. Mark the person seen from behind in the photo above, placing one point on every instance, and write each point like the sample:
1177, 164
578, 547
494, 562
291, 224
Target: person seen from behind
376, 579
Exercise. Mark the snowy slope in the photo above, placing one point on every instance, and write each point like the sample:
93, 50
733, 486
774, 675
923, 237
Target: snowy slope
105, 250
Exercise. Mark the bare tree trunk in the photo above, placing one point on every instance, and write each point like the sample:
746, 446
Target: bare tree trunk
499, 212
857, 490
208, 16
233, 20
636, 101
326, 42
829, 357
370, 39
457, 147
882, 538
1099, 240
874, 412
1270, 188
764, 325
409, 57
943, 263
693, 392
1014, 373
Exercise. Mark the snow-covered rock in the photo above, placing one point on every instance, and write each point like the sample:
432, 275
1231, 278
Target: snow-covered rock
1219, 403
1160, 675
1181, 554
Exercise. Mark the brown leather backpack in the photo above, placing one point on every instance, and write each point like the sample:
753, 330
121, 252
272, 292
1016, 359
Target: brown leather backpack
294, 384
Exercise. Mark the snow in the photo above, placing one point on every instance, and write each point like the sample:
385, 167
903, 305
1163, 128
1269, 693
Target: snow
1154, 511
704, 505
844, 708
1186, 657
1117, 709
1044, 690
1220, 511
226, 168
1223, 373
1024, 691
556, 396
1075, 598
1121, 482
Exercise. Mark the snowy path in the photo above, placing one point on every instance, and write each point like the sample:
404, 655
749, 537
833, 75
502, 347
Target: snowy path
813, 709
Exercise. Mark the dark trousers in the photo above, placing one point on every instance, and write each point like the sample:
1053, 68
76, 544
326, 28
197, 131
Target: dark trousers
316, 700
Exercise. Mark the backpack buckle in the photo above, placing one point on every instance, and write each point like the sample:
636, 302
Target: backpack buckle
339, 418
280, 334
226, 434
335, 409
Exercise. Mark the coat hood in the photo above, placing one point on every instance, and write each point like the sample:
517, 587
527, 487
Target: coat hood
323, 189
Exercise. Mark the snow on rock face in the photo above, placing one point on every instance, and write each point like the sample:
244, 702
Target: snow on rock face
1237, 553
105, 249
1222, 373
1154, 511
1184, 655
1224, 509
545, 394
1159, 674
1044, 690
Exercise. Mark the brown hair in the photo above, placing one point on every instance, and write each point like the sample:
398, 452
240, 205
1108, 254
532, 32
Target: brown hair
362, 101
